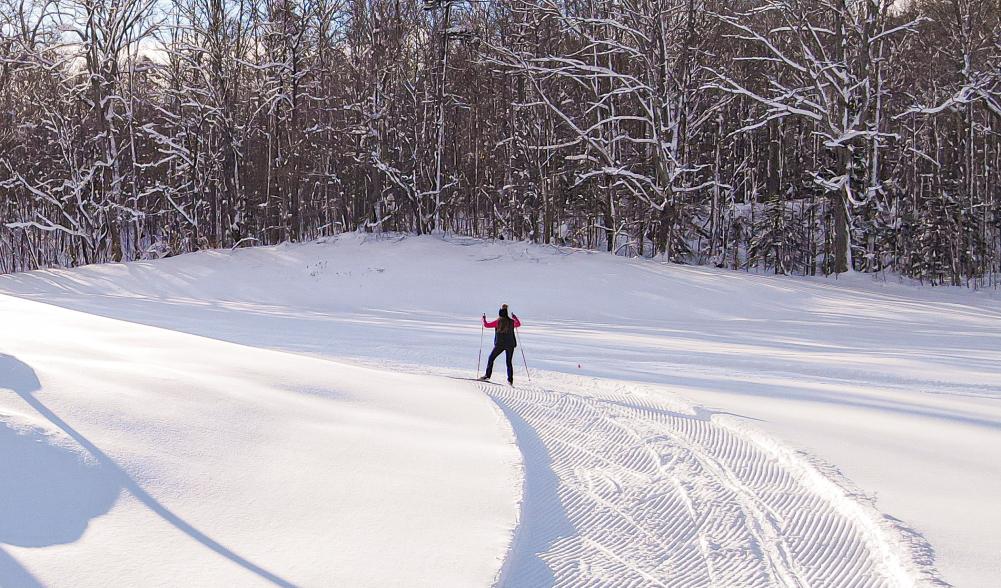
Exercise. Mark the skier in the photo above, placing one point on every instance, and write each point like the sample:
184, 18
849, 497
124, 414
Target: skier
504, 341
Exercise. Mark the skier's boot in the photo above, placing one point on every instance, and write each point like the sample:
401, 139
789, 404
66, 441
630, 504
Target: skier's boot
510, 381
484, 378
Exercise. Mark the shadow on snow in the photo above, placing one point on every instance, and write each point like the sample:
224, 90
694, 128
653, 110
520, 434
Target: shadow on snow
50, 494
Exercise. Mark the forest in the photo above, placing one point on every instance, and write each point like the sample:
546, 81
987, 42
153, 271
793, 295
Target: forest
790, 136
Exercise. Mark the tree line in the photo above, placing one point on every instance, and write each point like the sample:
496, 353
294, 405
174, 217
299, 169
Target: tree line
795, 136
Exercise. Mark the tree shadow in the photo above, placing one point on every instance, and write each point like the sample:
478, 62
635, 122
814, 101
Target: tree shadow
14, 575
60, 507
49, 492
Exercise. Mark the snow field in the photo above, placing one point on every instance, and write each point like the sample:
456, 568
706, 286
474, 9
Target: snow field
684, 425
137, 456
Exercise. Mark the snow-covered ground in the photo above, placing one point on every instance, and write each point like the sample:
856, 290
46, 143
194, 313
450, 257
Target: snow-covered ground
284, 415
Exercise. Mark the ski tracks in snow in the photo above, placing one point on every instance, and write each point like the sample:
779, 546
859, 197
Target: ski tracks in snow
622, 492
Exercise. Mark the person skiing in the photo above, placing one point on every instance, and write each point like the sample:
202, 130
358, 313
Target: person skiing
504, 341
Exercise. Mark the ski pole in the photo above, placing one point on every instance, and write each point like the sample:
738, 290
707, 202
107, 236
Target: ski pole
522, 347
480, 355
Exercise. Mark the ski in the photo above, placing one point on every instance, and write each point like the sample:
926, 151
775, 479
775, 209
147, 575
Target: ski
477, 380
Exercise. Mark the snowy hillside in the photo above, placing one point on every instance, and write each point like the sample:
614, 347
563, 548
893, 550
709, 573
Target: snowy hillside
286, 416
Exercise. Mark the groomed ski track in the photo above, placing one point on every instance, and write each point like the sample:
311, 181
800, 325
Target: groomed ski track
621, 490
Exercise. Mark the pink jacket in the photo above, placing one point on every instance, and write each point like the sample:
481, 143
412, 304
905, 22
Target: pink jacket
493, 324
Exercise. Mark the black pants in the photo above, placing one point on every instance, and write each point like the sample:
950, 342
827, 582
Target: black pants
495, 354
